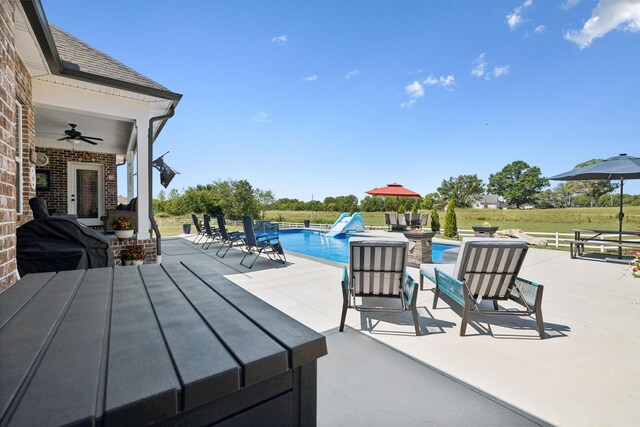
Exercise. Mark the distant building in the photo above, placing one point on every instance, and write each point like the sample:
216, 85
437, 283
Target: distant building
487, 201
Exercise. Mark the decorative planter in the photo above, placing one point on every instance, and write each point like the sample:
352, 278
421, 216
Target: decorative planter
133, 262
484, 231
123, 234
186, 228
306, 223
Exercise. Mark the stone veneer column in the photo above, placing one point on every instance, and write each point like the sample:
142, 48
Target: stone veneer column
422, 251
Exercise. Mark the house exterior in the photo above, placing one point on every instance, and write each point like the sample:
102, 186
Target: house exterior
49, 80
487, 201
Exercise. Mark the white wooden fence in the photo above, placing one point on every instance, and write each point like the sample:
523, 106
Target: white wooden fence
553, 238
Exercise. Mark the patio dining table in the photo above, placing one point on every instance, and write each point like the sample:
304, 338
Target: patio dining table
170, 344
628, 239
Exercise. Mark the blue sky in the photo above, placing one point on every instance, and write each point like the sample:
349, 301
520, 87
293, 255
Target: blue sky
332, 97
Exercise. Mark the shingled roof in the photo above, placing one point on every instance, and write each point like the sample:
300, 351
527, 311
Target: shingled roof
76, 53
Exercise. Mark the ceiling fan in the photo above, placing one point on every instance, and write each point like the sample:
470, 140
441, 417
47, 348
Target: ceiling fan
76, 136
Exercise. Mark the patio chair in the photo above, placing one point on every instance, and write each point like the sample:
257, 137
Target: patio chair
424, 218
229, 239
487, 269
199, 231
378, 268
263, 244
212, 234
402, 222
393, 221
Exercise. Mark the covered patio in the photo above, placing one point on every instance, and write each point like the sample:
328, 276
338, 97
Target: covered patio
379, 373
85, 118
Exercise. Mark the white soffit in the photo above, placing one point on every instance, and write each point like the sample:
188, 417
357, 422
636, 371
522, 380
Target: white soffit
27, 47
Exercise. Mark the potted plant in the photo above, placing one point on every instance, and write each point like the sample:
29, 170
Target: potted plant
135, 255
484, 230
123, 227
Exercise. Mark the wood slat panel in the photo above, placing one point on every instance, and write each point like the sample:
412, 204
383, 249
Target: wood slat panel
14, 298
260, 356
26, 337
78, 350
304, 344
142, 385
205, 367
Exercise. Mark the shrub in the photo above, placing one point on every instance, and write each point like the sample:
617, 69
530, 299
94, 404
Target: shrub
414, 209
401, 209
450, 221
435, 219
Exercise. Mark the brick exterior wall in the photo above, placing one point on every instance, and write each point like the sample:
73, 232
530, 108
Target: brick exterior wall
119, 247
7, 145
24, 96
56, 197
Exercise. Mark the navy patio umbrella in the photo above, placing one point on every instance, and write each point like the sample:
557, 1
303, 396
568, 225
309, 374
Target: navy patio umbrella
619, 167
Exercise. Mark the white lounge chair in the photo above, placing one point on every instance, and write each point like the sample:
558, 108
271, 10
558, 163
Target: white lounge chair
486, 269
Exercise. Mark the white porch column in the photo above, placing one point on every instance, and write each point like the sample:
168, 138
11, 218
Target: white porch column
130, 172
144, 224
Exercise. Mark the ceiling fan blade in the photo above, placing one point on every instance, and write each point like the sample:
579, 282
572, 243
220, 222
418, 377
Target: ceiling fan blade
63, 138
93, 137
82, 138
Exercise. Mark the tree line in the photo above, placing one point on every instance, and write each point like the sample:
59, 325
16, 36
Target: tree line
517, 184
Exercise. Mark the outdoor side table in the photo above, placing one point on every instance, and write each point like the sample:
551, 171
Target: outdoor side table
174, 344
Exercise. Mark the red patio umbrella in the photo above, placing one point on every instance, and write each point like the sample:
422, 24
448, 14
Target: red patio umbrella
393, 190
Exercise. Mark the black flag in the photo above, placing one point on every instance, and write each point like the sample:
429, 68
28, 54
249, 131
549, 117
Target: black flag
166, 172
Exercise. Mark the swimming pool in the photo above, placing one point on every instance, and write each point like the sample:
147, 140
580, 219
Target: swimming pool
335, 249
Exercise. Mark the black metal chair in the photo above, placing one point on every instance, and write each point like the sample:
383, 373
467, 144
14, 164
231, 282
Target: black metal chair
199, 232
229, 239
264, 244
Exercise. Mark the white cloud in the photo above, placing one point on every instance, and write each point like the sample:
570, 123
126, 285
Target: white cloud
415, 92
442, 81
415, 89
540, 29
515, 18
607, 16
480, 67
261, 117
501, 71
352, 73
568, 4
311, 78
280, 40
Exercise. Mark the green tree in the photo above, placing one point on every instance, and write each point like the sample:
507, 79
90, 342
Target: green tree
430, 200
594, 189
264, 199
518, 183
450, 220
414, 209
435, 219
245, 202
464, 189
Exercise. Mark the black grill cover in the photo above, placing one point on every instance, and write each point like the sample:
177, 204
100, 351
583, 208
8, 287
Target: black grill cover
57, 244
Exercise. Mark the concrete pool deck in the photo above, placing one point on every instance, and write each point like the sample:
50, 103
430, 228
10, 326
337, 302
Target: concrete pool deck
585, 372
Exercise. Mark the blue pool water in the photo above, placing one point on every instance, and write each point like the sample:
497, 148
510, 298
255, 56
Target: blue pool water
335, 249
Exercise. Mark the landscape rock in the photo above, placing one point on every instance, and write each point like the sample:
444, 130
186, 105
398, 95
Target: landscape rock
519, 234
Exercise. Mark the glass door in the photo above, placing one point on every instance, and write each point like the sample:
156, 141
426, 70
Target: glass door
86, 192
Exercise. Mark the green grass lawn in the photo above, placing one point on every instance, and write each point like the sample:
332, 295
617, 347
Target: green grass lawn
545, 220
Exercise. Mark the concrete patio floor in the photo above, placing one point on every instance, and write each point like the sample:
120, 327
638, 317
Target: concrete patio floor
584, 373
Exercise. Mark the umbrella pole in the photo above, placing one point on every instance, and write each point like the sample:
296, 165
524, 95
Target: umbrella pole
620, 218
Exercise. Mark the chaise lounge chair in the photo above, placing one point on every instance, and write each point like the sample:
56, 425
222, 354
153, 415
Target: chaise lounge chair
199, 232
486, 269
378, 268
212, 234
229, 239
270, 246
